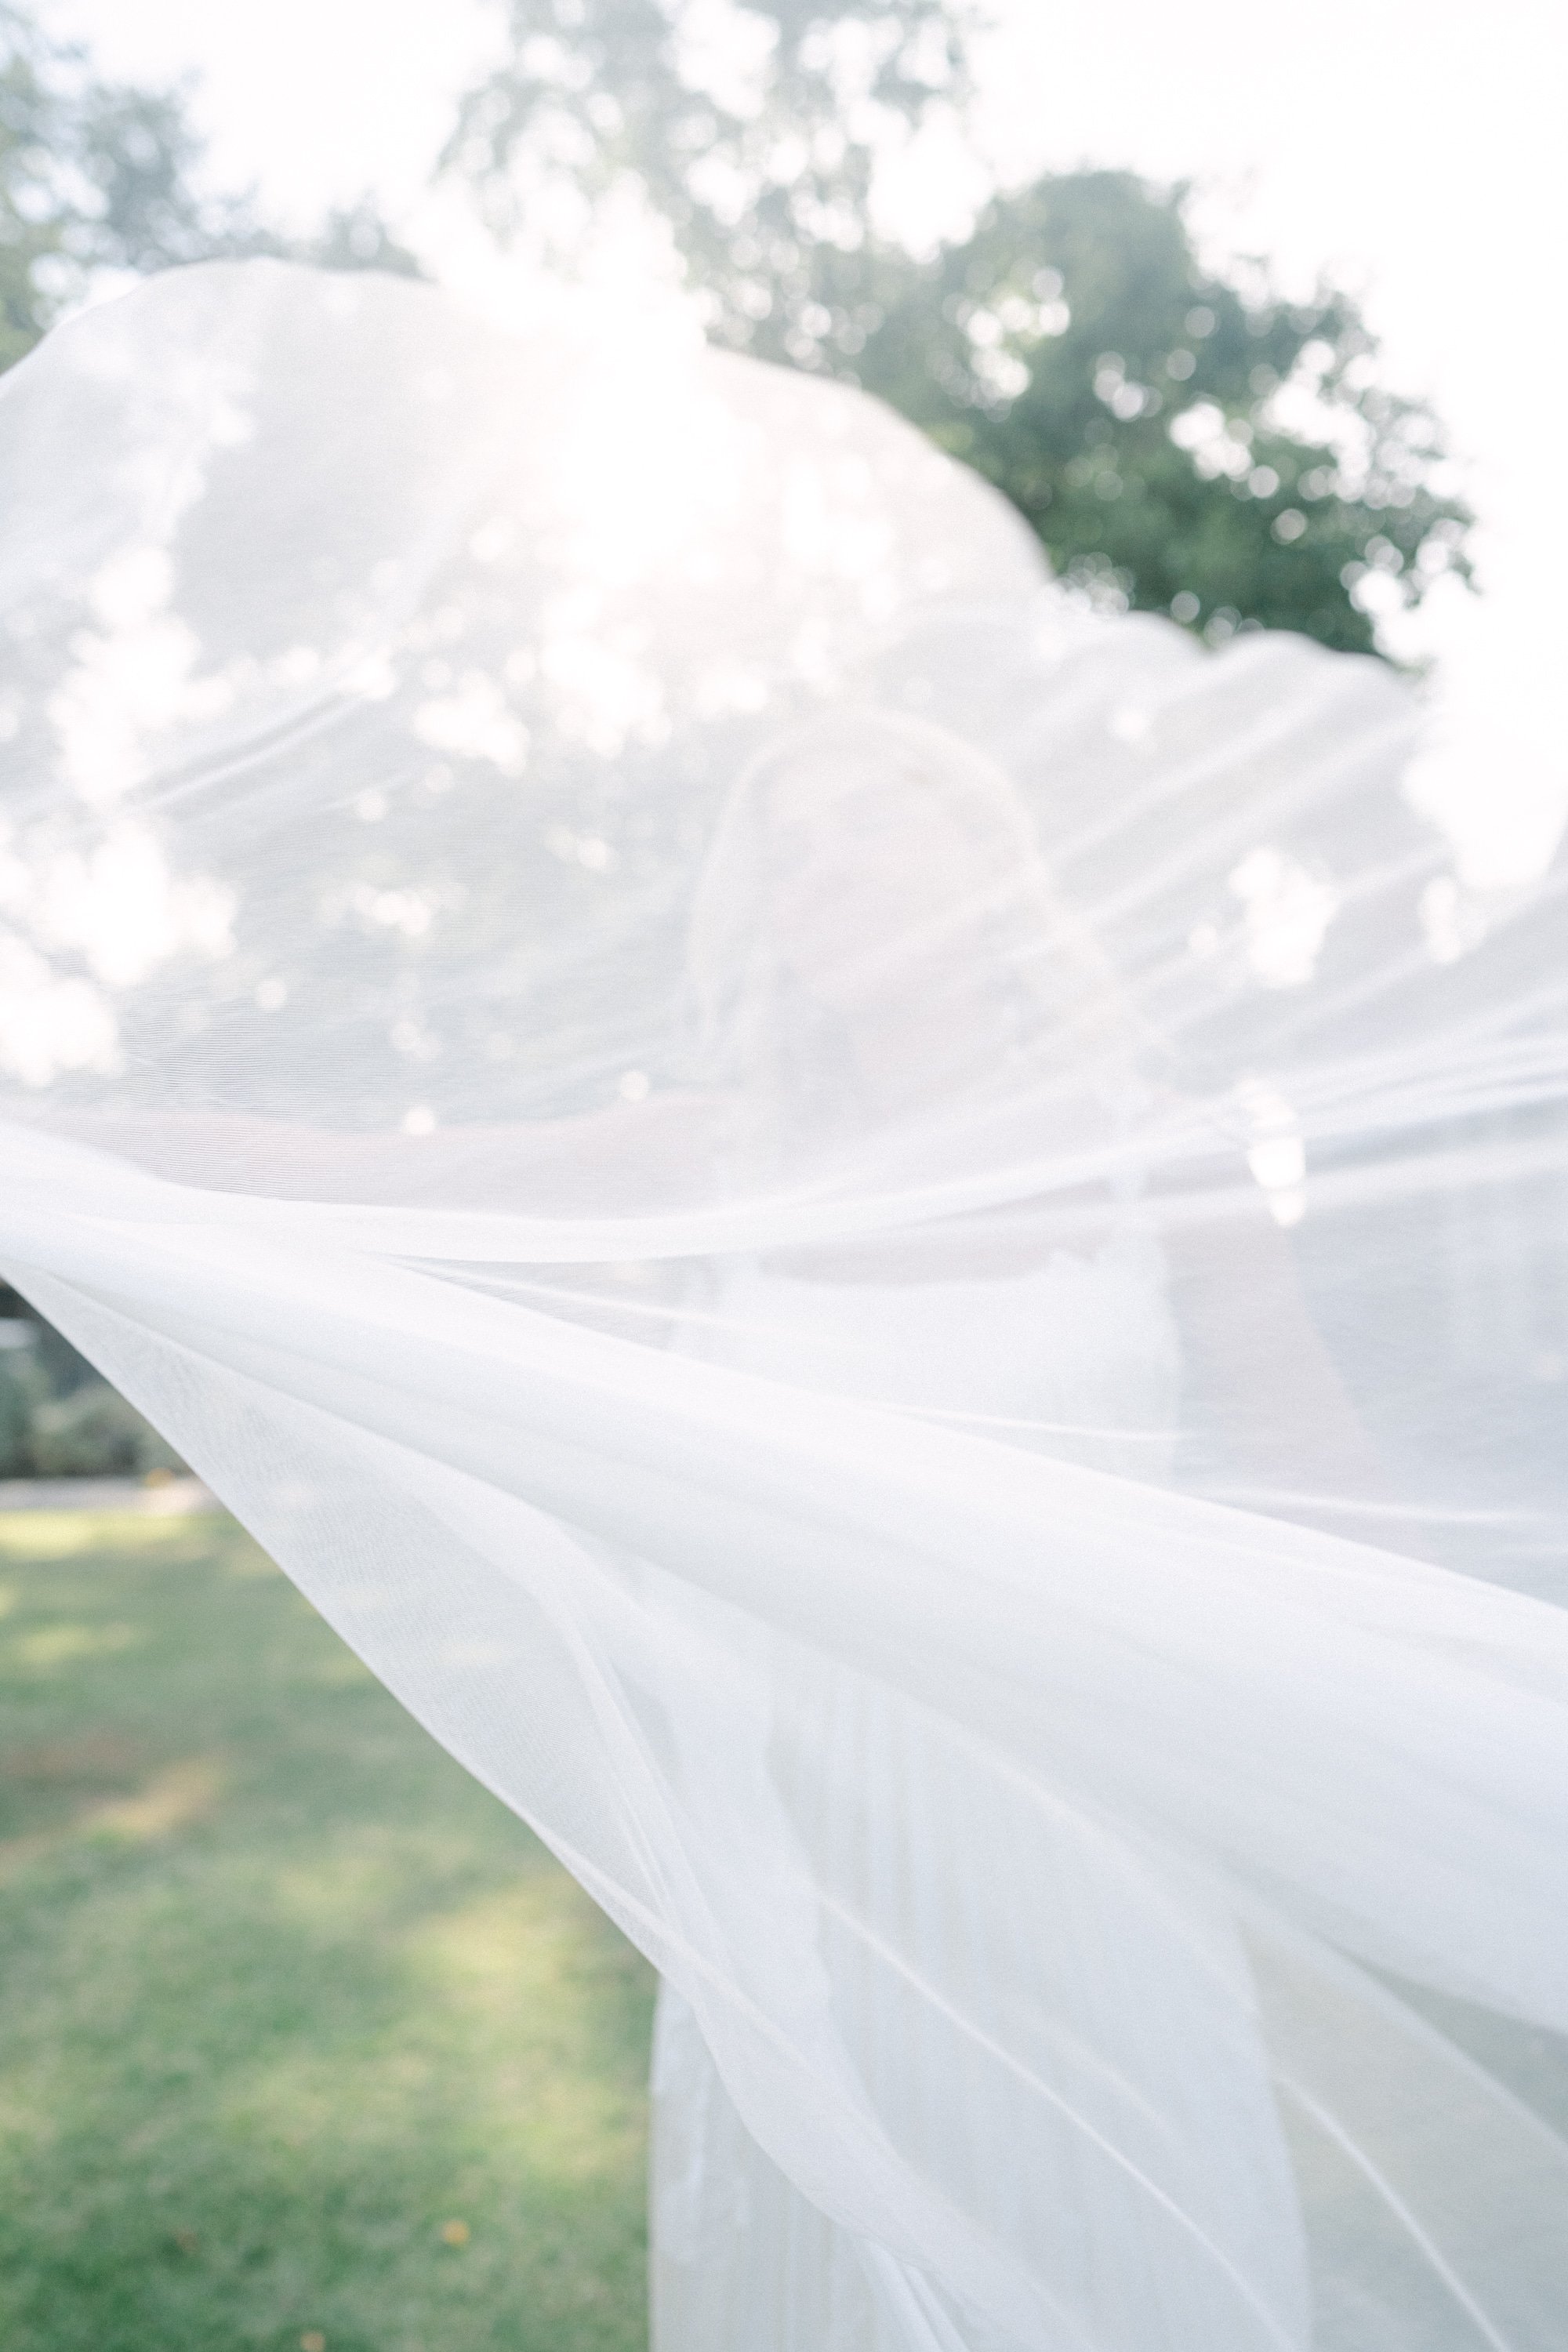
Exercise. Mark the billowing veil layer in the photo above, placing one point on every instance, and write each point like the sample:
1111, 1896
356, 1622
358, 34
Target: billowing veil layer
898, 1254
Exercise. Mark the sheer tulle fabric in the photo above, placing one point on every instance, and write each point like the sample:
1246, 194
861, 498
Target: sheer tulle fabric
897, 1254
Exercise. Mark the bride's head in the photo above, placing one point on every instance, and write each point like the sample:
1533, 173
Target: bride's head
876, 940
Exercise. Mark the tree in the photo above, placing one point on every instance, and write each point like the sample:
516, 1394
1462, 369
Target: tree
754, 132
1182, 441
104, 177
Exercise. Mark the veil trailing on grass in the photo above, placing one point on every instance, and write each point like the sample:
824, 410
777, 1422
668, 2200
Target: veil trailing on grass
899, 1253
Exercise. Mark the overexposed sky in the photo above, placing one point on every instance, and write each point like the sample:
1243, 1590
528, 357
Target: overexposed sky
1410, 145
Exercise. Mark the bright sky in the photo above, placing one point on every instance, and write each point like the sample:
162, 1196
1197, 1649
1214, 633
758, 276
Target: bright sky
1411, 145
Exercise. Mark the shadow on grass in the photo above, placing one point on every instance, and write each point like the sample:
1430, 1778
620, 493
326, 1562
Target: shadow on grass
303, 2033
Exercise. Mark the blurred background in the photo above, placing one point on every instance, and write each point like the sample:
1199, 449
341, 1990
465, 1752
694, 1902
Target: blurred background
1255, 318
1400, 156
1254, 314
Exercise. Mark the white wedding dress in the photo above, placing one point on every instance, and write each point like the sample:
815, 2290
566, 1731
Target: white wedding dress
1078, 1357
897, 1253
1073, 1999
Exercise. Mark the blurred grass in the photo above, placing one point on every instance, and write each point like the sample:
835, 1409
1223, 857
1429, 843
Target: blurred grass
284, 1996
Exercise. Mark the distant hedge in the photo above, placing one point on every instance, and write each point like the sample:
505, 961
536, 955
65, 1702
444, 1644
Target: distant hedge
57, 1418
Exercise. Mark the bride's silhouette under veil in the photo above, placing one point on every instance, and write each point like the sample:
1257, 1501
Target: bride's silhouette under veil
897, 1253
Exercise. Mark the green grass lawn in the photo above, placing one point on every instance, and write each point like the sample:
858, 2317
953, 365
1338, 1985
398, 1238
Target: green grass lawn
305, 2038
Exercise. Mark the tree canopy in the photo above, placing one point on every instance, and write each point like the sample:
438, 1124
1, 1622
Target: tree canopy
1179, 441
99, 176
755, 131
1183, 440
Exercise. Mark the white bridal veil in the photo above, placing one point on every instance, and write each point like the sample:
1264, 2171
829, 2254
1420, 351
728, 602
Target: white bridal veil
898, 1254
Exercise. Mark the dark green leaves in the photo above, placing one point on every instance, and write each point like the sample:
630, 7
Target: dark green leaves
1179, 443
1182, 442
